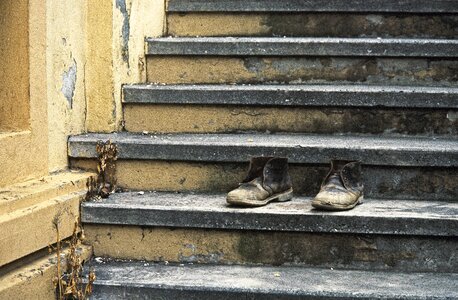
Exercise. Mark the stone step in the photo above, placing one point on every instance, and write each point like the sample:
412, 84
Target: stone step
399, 167
294, 95
210, 211
273, 46
137, 280
405, 6
321, 109
297, 60
312, 24
29, 193
200, 228
27, 230
32, 277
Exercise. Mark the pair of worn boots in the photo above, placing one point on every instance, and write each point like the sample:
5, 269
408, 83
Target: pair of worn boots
268, 180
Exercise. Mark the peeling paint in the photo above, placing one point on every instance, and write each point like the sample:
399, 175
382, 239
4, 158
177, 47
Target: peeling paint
69, 83
121, 5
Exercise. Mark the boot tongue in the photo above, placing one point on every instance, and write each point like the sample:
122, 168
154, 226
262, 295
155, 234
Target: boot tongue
334, 182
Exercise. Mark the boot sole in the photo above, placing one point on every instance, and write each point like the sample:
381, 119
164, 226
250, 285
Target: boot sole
280, 197
329, 207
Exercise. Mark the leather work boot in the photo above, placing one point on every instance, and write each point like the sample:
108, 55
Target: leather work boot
342, 188
267, 180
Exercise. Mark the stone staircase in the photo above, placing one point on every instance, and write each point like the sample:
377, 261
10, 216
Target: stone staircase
310, 80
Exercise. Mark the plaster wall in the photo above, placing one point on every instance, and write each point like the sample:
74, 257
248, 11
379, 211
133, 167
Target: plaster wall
116, 55
94, 48
14, 69
66, 62
133, 21
24, 153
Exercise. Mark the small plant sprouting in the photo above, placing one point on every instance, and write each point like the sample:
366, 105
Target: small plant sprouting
106, 169
69, 284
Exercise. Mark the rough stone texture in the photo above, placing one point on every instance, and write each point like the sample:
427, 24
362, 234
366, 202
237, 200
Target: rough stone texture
211, 211
233, 46
28, 193
175, 118
137, 280
371, 150
312, 24
295, 95
14, 70
380, 182
297, 70
30, 229
407, 6
29, 57
326, 250
33, 279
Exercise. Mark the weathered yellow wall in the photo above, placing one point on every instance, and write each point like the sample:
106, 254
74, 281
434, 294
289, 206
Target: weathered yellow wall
133, 21
115, 53
24, 154
14, 68
66, 62
94, 48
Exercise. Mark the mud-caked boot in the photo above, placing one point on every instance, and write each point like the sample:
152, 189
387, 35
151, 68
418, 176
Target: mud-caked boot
342, 188
267, 180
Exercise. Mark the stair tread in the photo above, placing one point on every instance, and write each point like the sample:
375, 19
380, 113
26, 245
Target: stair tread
211, 211
125, 279
356, 95
302, 46
409, 6
299, 148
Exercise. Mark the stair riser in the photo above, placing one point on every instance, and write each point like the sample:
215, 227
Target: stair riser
364, 252
213, 118
312, 24
103, 291
380, 182
370, 70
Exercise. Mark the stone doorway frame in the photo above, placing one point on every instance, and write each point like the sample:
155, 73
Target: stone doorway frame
24, 152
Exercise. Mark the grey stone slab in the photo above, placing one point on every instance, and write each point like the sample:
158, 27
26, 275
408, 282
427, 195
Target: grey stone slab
211, 211
405, 6
139, 280
371, 150
291, 46
295, 95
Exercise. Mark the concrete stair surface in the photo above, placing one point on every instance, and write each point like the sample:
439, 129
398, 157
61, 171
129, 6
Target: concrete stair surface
231, 46
137, 280
424, 19
321, 109
201, 228
294, 95
394, 167
300, 60
211, 211
374, 81
397, 151
406, 6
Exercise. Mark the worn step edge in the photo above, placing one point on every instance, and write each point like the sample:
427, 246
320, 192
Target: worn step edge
31, 229
406, 6
294, 95
118, 280
34, 279
186, 210
272, 46
299, 148
28, 193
